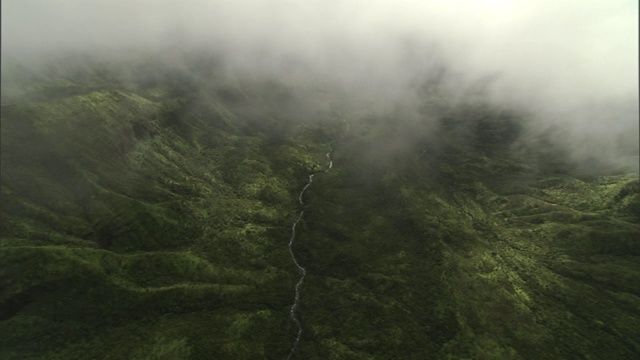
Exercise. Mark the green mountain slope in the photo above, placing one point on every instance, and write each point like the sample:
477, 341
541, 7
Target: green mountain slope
149, 219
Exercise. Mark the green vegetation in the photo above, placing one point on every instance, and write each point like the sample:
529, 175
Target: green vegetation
149, 219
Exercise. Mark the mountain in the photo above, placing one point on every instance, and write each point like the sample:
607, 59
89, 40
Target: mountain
146, 214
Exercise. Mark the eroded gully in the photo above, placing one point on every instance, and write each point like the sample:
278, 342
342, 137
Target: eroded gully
303, 272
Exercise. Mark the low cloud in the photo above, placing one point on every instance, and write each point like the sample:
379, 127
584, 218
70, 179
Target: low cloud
574, 64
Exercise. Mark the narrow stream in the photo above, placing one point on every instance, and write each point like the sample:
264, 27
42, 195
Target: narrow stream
303, 272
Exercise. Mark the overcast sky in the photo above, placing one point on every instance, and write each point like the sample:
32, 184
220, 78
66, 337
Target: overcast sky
550, 52
585, 46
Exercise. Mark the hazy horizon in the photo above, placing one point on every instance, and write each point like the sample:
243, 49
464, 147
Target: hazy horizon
570, 63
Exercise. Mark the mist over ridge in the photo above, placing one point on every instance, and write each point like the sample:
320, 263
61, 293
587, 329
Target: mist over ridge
319, 179
571, 66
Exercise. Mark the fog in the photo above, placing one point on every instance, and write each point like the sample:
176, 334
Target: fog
572, 64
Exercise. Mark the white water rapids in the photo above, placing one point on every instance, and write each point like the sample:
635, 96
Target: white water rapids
303, 272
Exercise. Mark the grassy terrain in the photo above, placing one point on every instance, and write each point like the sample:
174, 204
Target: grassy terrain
148, 218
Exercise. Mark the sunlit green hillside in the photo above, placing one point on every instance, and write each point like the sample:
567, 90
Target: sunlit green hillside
147, 216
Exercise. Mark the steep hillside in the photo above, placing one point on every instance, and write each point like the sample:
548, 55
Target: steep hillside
149, 218
467, 251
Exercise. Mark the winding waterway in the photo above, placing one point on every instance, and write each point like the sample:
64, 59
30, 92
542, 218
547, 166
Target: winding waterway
303, 272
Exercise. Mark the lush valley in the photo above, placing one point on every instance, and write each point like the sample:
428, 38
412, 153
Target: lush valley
147, 216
